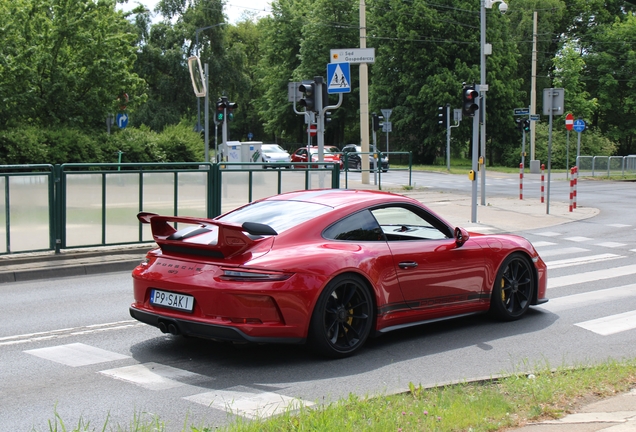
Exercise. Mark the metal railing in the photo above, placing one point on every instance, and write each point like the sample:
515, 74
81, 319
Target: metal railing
47, 207
606, 165
377, 167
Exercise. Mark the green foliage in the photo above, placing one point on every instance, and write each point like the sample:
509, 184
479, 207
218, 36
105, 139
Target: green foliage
179, 143
33, 145
64, 62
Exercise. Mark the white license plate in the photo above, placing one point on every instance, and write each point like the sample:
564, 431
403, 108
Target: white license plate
172, 300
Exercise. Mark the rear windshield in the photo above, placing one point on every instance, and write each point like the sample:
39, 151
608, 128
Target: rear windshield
280, 215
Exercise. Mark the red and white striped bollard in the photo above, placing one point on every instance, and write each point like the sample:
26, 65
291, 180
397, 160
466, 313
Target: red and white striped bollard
542, 181
520, 181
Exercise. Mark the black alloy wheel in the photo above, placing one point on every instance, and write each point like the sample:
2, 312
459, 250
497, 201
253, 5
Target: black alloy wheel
514, 287
342, 319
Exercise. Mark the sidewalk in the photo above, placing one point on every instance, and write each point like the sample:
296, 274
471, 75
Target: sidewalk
615, 414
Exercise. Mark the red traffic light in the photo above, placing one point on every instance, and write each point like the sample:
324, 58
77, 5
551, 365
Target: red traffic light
469, 105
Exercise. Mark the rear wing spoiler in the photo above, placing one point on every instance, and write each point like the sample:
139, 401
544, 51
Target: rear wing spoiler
232, 239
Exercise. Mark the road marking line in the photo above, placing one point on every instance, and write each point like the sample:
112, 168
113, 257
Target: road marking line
577, 239
540, 244
611, 324
581, 260
618, 225
548, 234
153, 376
76, 354
589, 298
591, 276
252, 404
62, 333
611, 244
562, 251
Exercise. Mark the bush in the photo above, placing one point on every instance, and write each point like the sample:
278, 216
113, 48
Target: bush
35, 145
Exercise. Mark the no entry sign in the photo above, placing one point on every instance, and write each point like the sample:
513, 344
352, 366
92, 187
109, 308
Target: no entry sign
569, 121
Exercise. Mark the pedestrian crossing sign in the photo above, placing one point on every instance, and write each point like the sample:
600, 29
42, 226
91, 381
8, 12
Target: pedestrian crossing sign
338, 78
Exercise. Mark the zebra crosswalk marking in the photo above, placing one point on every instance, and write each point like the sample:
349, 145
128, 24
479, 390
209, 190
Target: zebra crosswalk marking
76, 354
590, 298
588, 259
250, 403
590, 276
611, 324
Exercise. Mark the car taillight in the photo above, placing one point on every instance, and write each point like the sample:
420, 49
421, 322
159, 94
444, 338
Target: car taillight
244, 275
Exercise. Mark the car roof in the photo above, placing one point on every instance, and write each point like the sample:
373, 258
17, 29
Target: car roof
341, 197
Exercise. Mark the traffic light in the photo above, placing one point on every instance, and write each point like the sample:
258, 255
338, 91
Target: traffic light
376, 121
220, 111
469, 103
231, 106
519, 124
442, 119
309, 99
526, 125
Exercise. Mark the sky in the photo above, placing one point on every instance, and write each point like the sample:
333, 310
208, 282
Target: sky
233, 8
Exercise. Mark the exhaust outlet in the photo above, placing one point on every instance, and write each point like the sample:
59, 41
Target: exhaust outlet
172, 328
163, 327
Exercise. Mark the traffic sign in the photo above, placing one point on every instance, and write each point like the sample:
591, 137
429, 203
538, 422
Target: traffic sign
338, 78
386, 113
521, 111
569, 121
313, 130
535, 117
579, 125
353, 55
122, 120
387, 126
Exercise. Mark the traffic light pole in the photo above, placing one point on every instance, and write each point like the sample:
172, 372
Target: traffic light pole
448, 137
473, 213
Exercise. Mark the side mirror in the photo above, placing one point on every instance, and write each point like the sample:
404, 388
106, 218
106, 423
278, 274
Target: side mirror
461, 236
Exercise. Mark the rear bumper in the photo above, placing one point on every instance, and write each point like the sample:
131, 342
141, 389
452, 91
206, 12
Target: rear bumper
203, 330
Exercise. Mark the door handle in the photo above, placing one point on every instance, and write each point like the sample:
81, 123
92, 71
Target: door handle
407, 264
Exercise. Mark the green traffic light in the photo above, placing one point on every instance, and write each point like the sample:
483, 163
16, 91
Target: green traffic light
219, 117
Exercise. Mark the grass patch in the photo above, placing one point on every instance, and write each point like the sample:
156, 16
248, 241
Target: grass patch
490, 405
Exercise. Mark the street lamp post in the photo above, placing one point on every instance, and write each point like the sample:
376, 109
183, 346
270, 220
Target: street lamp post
485, 49
198, 127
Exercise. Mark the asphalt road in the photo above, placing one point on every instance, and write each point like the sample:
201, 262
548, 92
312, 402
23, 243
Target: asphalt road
69, 346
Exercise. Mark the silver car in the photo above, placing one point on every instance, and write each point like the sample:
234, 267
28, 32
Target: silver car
274, 154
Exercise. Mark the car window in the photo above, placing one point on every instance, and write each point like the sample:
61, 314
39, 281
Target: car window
401, 223
360, 226
280, 215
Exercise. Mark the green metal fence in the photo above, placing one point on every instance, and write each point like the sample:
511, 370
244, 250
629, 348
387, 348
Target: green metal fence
54, 207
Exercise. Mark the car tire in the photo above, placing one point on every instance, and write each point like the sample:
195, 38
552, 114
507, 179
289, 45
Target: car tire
342, 319
514, 288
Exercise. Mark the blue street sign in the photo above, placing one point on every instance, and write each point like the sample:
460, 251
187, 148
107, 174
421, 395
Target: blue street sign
338, 78
122, 120
579, 125
521, 111
250, 135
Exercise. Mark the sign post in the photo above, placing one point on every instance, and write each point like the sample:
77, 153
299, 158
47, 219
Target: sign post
578, 126
569, 123
386, 127
553, 101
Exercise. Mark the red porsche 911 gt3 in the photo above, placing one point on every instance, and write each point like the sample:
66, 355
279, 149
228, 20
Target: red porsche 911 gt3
329, 268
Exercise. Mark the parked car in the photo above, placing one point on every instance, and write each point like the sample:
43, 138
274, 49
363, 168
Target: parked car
353, 153
328, 267
330, 154
273, 154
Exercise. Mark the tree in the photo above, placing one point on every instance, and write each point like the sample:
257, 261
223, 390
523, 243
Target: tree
65, 62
